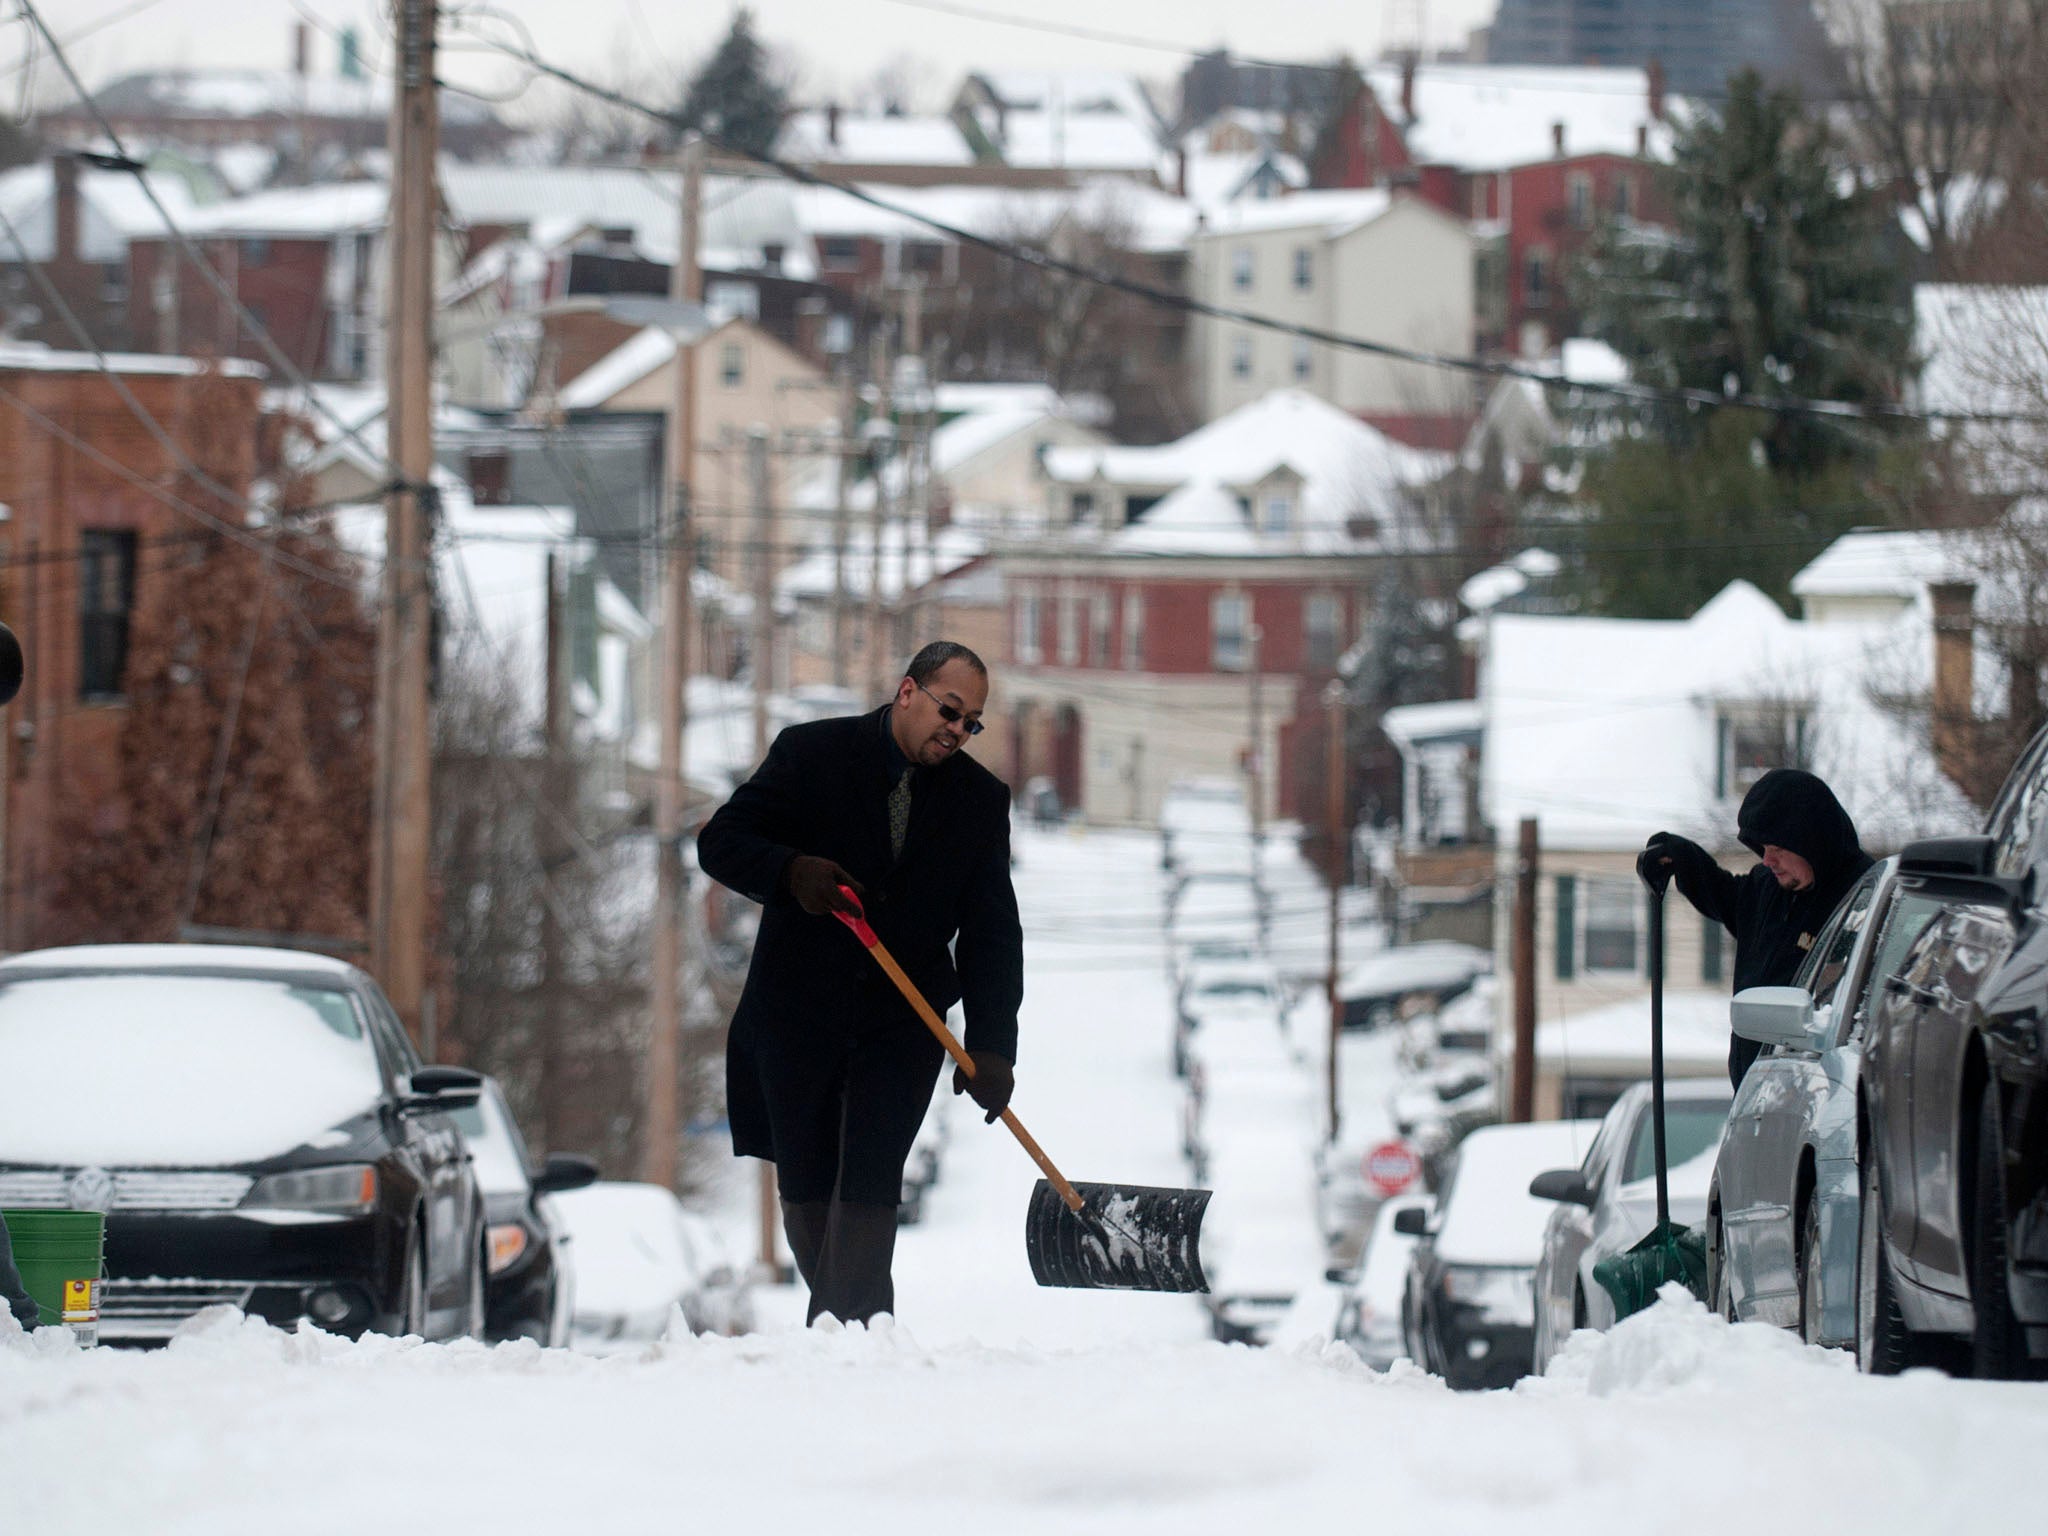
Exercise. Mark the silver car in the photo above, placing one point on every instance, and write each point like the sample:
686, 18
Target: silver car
1608, 1203
1782, 1222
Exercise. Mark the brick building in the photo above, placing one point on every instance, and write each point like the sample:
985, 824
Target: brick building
82, 532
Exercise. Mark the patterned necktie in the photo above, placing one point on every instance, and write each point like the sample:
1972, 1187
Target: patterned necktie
899, 814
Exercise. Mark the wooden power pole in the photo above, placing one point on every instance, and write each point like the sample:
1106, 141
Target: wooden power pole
665, 1026
1522, 1099
400, 795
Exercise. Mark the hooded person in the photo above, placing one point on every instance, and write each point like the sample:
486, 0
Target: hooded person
1811, 857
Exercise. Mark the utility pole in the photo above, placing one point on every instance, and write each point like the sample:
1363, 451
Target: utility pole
879, 643
1340, 850
1522, 1097
658, 1144
400, 792
551, 848
842, 470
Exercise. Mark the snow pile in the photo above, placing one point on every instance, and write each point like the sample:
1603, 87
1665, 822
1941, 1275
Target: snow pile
1679, 1345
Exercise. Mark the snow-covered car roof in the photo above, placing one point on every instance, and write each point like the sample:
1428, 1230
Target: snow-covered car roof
1489, 1216
215, 959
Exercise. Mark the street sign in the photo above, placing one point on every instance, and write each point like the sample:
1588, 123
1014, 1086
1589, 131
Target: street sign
1391, 1167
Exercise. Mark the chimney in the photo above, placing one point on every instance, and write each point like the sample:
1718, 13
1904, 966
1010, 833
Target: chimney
1407, 88
1642, 141
1950, 711
302, 50
1180, 172
1557, 138
64, 174
1656, 74
832, 123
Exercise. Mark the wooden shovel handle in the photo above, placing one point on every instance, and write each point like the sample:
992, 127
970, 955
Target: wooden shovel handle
859, 924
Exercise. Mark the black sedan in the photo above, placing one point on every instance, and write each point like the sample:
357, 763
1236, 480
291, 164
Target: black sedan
258, 1130
530, 1280
1953, 1130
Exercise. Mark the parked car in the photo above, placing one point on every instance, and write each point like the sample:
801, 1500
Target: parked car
1202, 821
258, 1129
1954, 1126
1373, 991
639, 1255
1608, 1203
1226, 989
1238, 1065
1468, 1309
1369, 1318
1784, 1208
530, 1284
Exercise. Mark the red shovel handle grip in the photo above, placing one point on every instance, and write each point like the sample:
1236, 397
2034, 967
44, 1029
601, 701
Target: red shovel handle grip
856, 919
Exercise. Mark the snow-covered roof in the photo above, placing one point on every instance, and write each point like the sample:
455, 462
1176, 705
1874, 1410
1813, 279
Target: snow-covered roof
1489, 1216
1879, 562
1149, 219
326, 408
1409, 723
1434, 965
1607, 729
255, 959
336, 208
1491, 116
621, 368
1217, 179
861, 139
908, 562
1330, 213
113, 209
1615, 1037
1347, 469
1080, 119
257, 93
34, 357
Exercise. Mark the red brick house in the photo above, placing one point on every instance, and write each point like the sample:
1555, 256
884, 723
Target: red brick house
1189, 602
81, 530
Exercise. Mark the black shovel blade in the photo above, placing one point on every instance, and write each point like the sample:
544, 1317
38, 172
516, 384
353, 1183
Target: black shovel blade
1125, 1237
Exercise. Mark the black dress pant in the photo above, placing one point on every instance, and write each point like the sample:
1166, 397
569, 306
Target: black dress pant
844, 1113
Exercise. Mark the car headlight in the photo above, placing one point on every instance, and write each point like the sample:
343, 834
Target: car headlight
508, 1242
349, 1189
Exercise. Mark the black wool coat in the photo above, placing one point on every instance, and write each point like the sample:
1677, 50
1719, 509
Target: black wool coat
945, 908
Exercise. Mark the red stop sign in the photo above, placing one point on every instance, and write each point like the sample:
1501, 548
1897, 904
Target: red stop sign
1391, 1167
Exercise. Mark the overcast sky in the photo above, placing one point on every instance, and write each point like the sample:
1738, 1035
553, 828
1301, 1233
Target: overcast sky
835, 45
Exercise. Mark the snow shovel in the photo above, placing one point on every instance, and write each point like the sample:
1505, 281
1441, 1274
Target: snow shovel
1668, 1253
1099, 1237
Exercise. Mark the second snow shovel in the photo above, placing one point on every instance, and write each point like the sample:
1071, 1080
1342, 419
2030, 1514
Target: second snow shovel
1668, 1253
1100, 1237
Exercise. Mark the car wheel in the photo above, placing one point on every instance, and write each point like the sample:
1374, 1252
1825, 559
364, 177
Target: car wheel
473, 1323
1998, 1347
1579, 1317
1810, 1273
1883, 1346
1720, 1294
414, 1317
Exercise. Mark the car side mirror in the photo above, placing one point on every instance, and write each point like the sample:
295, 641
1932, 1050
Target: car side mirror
564, 1171
1337, 1274
436, 1090
1567, 1186
1413, 1222
1773, 1015
1964, 869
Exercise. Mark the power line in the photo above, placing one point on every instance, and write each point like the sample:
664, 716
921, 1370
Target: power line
1637, 393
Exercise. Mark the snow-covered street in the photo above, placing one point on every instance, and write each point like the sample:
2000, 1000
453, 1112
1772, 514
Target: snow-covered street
997, 1406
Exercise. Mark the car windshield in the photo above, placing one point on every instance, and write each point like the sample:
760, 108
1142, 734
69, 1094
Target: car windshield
500, 1167
1234, 988
126, 1068
1690, 1128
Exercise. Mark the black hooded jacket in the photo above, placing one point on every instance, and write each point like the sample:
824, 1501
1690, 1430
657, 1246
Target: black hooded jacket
1773, 927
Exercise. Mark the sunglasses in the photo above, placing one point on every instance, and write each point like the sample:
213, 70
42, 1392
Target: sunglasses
947, 712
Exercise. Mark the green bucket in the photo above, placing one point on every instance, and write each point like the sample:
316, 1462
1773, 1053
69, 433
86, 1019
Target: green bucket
59, 1254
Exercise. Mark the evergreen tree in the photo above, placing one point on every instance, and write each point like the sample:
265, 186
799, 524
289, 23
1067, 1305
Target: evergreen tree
732, 98
1780, 278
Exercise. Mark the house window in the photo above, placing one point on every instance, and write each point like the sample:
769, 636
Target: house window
924, 257
1241, 357
1070, 630
838, 339
1536, 280
1754, 741
1229, 620
1610, 925
1098, 630
1304, 268
1277, 514
490, 477
1304, 359
1625, 197
1025, 641
734, 298
106, 595
1082, 507
1242, 269
839, 253
1578, 195
1321, 620
253, 253
1134, 629
732, 365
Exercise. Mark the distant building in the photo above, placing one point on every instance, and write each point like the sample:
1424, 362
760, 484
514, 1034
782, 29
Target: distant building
1699, 44
1070, 120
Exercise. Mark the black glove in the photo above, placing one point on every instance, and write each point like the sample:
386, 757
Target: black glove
815, 883
1661, 856
991, 1085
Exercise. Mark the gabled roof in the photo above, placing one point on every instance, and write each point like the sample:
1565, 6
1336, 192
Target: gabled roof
863, 139
1492, 116
1331, 213
266, 93
337, 208
1080, 119
113, 210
